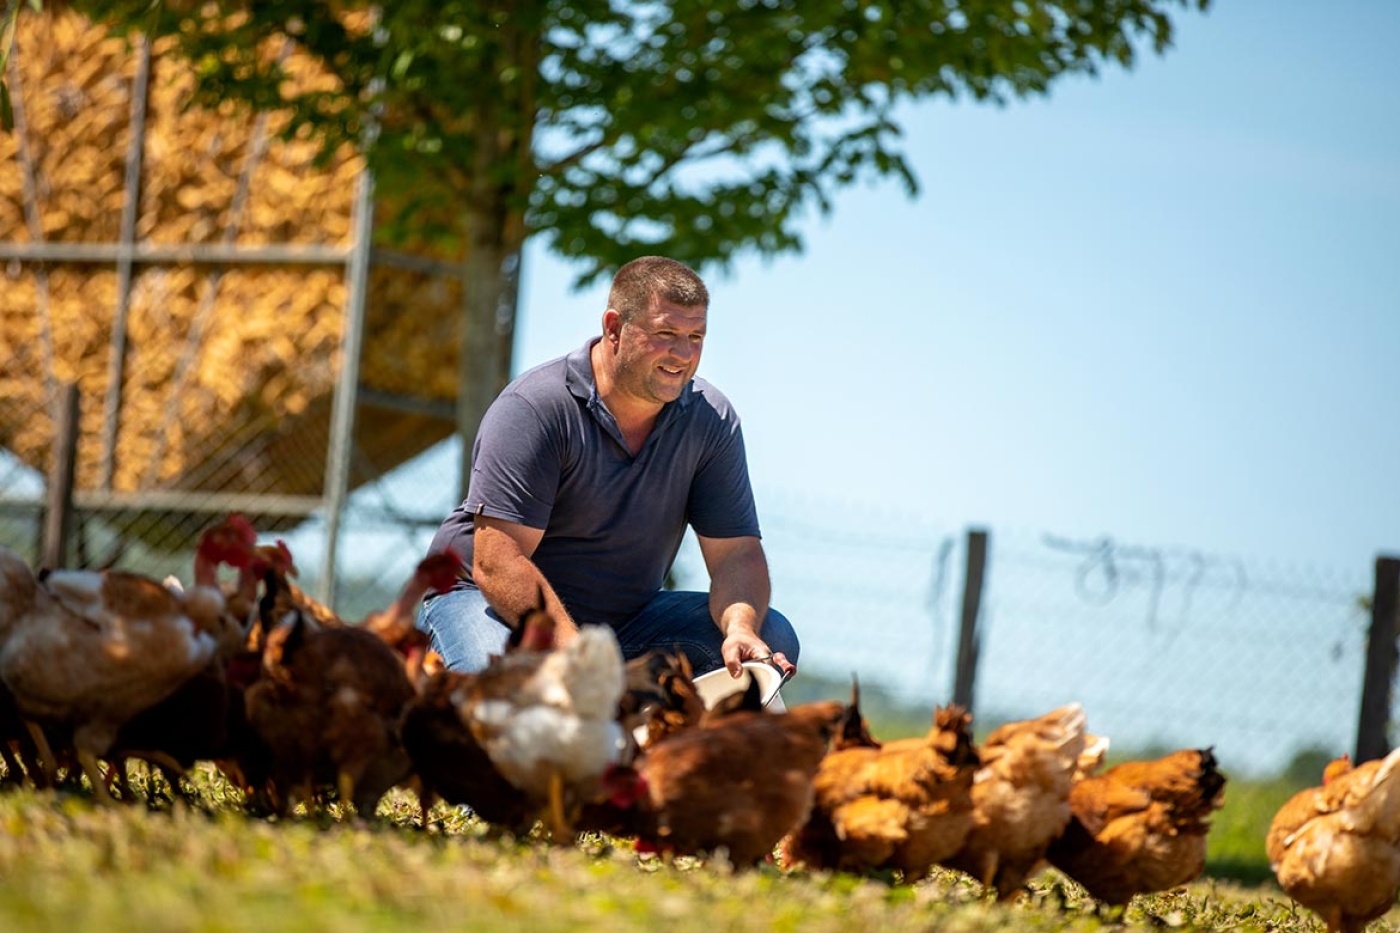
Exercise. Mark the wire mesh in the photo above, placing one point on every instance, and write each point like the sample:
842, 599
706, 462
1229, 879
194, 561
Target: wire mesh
1165, 647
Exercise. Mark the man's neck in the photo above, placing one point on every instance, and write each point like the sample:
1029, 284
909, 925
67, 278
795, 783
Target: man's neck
635, 417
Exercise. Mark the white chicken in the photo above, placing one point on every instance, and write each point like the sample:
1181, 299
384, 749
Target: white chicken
548, 719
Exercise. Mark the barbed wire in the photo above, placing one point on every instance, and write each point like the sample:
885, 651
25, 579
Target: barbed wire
1102, 558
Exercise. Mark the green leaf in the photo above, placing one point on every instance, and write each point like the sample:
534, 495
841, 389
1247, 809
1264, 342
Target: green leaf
7, 112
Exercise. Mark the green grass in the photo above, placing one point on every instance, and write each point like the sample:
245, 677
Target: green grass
1236, 843
68, 864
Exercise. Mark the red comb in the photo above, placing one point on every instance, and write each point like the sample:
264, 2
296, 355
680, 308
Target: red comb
229, 542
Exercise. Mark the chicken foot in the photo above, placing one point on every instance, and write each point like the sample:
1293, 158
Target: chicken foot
47, 759
94, 775
558, 824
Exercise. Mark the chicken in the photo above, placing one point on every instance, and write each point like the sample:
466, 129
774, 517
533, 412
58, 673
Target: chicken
1140, 826
327, 709
16, 743
661, 698
1335, 849
736, 784
393, 624
854, 731
904, 805
451, 764
547, 717
1092, 758
204, 719
88, 650
1020, 798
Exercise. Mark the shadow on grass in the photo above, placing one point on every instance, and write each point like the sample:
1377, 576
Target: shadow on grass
1244, 871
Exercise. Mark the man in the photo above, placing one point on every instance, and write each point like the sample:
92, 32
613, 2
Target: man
585, 473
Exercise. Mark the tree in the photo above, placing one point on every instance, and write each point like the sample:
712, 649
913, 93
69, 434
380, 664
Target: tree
613, 128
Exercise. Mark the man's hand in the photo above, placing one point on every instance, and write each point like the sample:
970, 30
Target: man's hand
743, 644
739, 591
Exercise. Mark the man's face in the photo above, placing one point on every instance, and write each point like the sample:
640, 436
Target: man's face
659, 352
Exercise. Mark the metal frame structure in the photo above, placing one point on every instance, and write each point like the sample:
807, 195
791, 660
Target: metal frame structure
128, 253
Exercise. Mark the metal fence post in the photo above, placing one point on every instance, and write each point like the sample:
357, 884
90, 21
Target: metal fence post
58, 516
342, 435
969, 641
1381, 659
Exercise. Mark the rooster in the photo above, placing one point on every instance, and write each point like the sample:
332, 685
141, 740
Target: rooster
1020, 798
903, 805
1335, 849
88, 650
1140, 826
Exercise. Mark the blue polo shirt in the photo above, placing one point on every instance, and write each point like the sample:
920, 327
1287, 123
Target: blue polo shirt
550, 455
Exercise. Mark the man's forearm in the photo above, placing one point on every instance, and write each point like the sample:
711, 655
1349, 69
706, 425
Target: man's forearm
739, 592
513, 588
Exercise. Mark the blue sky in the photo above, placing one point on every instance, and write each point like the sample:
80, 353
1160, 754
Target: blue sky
1162, 305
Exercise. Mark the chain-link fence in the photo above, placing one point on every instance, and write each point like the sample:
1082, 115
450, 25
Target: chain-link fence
1165, 646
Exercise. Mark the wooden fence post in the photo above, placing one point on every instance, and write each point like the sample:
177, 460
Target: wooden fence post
1381, 658
969, 641
58, 516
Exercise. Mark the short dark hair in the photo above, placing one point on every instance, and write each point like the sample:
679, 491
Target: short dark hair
641, 278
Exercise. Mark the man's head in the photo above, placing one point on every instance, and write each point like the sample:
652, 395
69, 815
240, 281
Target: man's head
640, 280
654, 329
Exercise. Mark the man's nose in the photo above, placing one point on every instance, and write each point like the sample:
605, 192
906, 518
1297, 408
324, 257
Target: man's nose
682, 347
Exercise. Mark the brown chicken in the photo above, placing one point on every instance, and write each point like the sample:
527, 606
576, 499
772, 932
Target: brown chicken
1140, 826
1335, 849
394, 624
736, 784
904, 805
204, 719
1020, 798
327, 709
17, 749
661, 698
88, 650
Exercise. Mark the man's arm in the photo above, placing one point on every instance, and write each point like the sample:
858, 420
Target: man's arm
508, 578
739, 593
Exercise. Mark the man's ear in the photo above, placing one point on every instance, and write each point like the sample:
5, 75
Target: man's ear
612, 326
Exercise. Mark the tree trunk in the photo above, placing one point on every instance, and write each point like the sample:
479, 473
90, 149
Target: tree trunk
495, 235
490, 292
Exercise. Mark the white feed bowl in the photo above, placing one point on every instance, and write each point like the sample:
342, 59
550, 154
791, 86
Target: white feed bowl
717, 684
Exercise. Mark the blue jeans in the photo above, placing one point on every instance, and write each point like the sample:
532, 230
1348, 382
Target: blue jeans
466, 631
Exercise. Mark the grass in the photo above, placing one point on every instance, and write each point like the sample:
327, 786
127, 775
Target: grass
68, 864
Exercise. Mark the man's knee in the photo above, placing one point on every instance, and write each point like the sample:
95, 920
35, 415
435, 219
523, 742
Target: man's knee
780, 636
463, 629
